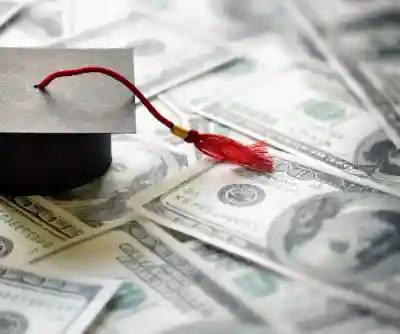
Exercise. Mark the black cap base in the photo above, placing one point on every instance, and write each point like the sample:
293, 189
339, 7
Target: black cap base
47, 164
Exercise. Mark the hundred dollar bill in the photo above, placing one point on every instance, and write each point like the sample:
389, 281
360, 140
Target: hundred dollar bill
32, 226
297, 220
231, 78
347, 65
162, 288
309, 111
307, 308
36, 303
137, 164
164, 54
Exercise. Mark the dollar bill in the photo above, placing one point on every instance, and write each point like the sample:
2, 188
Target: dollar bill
320, 119
297, 220
347, 65
307, 308
32, 226
162, 289
32, 302
137, 164
231, 78
163, 53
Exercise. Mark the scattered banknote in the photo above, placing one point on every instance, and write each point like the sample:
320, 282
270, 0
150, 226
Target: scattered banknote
137, 164
359, 29
32, 226
164, 54
231, 78
346, 63
36, 303
307, 110
307, 308
297, 220
162, 288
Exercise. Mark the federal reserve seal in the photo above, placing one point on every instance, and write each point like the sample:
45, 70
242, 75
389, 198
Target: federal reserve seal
241, 195
13, 323
6, 247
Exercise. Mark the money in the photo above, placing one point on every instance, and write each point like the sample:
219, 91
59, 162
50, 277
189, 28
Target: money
137, 164
164, 55
159, 282
32, 226
297, 220
319, 119
33, 302
347, 65
307, 308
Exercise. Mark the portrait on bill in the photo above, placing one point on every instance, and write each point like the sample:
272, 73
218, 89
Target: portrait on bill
345, 236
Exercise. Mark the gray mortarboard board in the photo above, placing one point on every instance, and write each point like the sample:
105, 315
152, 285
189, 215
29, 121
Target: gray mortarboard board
56, 139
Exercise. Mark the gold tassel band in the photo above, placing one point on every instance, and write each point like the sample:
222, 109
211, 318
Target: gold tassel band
179, 132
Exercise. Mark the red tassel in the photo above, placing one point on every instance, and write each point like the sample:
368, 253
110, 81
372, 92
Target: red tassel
215, 146
225, 149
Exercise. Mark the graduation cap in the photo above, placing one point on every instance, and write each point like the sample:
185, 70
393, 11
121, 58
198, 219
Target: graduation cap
55, 132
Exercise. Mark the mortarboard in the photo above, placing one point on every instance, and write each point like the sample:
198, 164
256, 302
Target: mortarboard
60, 138
55, 132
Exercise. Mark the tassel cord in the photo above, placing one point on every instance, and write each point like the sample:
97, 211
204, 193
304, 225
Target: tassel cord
215, 146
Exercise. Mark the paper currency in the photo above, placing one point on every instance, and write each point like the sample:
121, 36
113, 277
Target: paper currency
32, 302
32, 226
164, 54
231, 78
320, 119
298, 219
346, 64
137, 164
162, 290
307, 308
